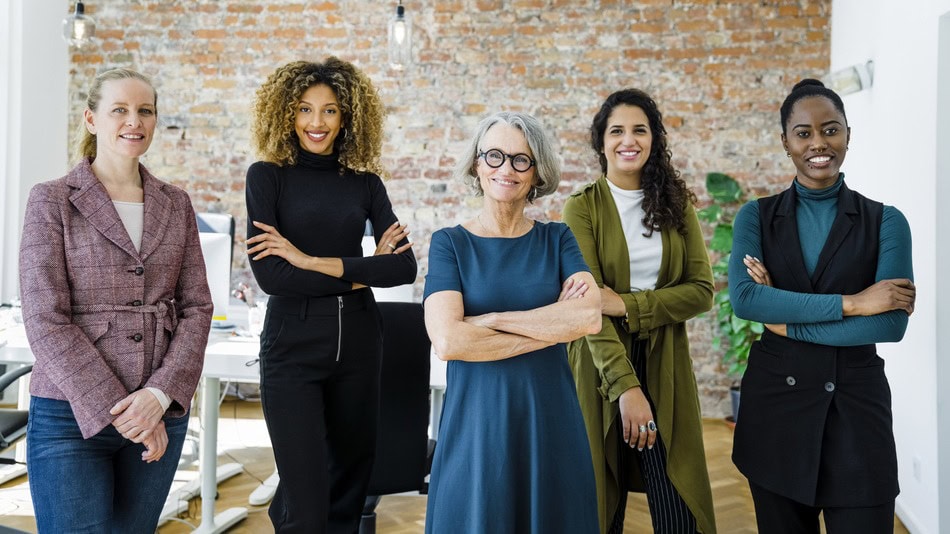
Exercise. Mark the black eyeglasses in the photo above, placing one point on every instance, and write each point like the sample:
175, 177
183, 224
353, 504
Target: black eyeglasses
496, 158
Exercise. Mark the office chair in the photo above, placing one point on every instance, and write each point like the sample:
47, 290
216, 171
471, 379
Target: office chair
12, 420
403, 449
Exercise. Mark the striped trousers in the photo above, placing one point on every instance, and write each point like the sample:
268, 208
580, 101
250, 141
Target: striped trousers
668, 511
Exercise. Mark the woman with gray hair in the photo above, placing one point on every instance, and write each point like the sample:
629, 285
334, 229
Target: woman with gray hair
503, 295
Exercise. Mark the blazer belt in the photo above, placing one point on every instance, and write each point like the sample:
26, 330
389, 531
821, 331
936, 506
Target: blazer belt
166, 317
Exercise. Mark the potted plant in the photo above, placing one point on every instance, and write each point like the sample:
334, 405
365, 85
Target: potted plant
735, 336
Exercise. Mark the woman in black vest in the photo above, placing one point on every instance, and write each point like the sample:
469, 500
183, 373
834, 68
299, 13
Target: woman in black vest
814, 432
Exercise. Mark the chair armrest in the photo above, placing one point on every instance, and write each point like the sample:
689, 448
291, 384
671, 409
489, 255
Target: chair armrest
12, 376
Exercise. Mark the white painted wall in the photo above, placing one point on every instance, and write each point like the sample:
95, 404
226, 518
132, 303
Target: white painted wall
893, 158
34, 70
942, 294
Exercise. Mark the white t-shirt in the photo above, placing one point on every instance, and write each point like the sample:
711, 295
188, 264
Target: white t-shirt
133, 218
646, 253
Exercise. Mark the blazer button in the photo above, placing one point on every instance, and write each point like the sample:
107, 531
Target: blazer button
137, 338
829, 387
790, 380
135, 303
139, 271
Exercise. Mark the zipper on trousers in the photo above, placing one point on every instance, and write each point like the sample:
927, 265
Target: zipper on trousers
339, 327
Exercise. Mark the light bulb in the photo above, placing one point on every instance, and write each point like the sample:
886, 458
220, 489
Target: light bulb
78, 28
400, 39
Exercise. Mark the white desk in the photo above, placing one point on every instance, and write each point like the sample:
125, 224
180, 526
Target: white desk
226, 357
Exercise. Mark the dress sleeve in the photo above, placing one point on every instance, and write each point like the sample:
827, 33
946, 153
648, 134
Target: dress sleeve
608, 352
444, 274
387, 270
894, 261
761, 303
275, 275
572, 261
675, 303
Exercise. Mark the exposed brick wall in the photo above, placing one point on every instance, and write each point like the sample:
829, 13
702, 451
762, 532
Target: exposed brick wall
718, 70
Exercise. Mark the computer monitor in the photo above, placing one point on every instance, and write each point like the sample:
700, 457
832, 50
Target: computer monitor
216, 249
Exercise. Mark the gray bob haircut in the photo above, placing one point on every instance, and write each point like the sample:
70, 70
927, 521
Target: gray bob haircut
547, 166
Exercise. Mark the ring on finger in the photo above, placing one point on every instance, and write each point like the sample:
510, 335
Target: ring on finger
651, 426
392, 246
642, 428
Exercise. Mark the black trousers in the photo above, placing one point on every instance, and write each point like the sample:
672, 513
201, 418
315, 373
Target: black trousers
777, 514
668, 512
320, 361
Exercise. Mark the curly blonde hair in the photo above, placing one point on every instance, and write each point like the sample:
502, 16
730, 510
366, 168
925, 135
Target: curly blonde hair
358, 146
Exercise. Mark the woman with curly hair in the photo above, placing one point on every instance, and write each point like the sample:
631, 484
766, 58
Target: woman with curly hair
318, 128
639, 234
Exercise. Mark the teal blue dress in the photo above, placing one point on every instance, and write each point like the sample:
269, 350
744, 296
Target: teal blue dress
512, 453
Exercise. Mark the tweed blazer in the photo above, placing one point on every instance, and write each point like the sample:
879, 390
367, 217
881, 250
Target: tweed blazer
103, 319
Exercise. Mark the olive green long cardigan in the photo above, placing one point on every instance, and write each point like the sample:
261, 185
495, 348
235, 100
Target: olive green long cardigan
601, 362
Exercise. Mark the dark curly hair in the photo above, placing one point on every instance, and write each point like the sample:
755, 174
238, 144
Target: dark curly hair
358, 146
808, 87
665, 194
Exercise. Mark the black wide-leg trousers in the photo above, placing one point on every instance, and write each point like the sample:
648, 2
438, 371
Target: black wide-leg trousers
320, 360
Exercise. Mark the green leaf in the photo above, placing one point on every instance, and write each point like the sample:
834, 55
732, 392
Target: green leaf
722, 297
710, 214
722, 238
738, 324
758, 328
723, 188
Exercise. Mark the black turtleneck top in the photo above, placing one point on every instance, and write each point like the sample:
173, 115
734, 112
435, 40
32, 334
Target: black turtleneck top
323, 213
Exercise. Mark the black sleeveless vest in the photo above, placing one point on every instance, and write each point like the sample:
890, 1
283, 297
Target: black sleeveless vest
815, 420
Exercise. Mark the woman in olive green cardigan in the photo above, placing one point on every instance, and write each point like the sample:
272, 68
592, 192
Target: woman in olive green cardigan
645, 433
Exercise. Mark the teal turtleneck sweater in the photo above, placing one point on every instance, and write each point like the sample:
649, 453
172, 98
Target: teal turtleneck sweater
811, 317
323, 212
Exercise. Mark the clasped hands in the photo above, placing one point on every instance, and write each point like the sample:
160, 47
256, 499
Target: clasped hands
139, 419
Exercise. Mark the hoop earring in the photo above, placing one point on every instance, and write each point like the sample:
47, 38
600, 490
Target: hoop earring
342, 137
533, 194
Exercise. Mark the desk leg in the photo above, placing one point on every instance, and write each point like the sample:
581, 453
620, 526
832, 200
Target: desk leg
438, 398
264, 493
208, 461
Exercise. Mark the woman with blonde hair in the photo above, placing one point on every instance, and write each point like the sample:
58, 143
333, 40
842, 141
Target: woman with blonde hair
318, 129
117, 311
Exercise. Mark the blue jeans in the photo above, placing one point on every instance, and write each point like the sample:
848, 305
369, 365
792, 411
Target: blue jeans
95, 485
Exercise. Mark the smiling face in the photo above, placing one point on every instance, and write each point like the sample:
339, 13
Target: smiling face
318, 119
627, 143
504, 184
125, 119
816, 138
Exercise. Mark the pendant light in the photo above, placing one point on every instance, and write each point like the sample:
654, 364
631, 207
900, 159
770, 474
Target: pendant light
78, 28
400, 39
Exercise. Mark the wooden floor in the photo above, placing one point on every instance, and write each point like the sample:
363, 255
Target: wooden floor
406, 514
